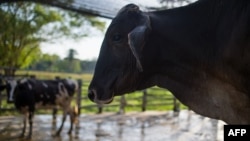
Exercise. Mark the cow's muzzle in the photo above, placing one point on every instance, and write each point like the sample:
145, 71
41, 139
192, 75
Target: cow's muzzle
92, 94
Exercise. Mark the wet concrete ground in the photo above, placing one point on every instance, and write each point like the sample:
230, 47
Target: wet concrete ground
142, 126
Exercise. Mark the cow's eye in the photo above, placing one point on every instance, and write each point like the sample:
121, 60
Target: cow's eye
117, 38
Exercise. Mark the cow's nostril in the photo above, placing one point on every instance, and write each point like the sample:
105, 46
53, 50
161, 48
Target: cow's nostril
91, 95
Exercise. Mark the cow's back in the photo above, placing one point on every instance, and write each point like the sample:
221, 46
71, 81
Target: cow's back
43, 93
46, 91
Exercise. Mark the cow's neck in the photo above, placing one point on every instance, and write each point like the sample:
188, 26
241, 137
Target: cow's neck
190, 53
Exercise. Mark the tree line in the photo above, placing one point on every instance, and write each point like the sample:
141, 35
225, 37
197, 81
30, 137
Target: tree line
54, 63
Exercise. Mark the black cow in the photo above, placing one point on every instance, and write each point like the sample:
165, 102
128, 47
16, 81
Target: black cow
31, 94
200, 52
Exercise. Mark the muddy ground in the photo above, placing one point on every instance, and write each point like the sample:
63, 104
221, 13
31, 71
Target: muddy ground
142, 126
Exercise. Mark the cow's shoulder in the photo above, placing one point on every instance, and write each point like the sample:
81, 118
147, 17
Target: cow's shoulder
24, 84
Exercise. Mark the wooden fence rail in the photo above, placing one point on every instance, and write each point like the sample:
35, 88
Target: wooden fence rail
144, 99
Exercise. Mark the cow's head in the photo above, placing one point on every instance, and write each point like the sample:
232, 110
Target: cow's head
14, 86
119, 64
11, 86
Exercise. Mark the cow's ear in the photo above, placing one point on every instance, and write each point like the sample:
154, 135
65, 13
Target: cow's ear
136, 40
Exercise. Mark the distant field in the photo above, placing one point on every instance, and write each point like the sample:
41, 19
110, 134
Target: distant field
51, 75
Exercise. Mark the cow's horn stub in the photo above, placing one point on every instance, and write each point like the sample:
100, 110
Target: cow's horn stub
129, 8
132, 7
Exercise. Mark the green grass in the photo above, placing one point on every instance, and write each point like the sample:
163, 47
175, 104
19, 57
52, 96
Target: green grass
158, 99
86, 77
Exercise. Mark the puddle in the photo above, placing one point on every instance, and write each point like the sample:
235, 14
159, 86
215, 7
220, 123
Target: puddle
147, 126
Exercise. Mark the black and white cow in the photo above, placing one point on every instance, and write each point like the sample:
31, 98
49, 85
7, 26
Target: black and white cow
31, 94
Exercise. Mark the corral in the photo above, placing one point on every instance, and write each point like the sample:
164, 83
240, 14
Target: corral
117, 121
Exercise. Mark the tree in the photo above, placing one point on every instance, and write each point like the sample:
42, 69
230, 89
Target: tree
46, 62
71, 61
71, 54
25, 25
54, 63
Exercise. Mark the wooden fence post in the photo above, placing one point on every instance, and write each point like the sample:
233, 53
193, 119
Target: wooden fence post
1, 98
79, 96
144, 100
0, 102
1, 83
33, 76
123, 104
99, 108
176, 105
57, 77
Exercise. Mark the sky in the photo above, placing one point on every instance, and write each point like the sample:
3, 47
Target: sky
88, 47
